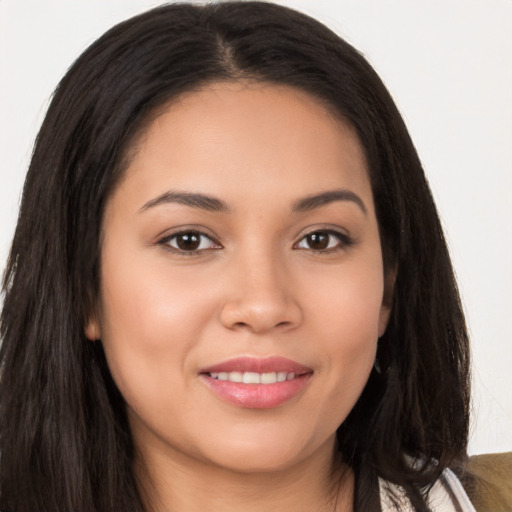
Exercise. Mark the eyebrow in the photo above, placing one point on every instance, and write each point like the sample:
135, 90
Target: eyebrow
193, 199
212, 204
317, 200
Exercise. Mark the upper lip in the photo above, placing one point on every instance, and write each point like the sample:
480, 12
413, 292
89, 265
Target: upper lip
258, 365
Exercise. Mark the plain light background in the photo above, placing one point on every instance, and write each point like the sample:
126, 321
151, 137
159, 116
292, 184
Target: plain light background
447, 63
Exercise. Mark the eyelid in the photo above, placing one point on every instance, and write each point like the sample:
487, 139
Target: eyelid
164, 239
344, 238
326, 228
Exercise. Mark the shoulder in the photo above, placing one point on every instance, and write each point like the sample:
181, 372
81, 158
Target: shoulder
487, 479
483, 483
445, 495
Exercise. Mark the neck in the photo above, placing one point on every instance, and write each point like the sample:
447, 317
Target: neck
320, 482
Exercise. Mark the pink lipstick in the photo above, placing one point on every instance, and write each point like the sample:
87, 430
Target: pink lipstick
257, 383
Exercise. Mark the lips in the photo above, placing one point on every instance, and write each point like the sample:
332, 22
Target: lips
256, 383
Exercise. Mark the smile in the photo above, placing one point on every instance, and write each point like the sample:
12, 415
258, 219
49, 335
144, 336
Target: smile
257, 383
253, 377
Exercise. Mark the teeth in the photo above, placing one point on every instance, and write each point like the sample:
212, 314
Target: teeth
268, 378
253, 377
235, 376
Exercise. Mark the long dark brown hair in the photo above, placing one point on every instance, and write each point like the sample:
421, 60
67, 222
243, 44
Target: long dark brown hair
65, 442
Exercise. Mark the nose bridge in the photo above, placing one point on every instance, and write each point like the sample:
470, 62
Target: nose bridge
261, 294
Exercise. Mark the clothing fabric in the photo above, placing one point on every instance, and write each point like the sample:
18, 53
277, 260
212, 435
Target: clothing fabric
482, 483
487, 480
447, 495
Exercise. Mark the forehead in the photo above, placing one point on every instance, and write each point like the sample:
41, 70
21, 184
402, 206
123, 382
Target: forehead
251, 137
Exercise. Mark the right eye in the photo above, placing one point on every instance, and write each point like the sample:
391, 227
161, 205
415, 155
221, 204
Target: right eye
324, 241
189, 242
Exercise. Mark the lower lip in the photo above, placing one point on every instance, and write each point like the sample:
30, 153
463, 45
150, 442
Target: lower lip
257, 396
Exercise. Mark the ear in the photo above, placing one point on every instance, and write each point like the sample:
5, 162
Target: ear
92, 325
384, 315
387, 299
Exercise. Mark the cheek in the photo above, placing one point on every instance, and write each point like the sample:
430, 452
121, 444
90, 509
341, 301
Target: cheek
147, 301
347, 302
351, 343
348, 320
151, 320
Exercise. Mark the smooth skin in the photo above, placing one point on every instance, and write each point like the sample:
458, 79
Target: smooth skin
254, 269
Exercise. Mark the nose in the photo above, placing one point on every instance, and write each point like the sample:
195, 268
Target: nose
262, 297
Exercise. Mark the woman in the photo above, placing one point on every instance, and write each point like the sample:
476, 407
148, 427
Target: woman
228, 285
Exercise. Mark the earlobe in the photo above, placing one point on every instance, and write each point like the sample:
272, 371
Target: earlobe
92, 331
92, 327
385, 312
387, 300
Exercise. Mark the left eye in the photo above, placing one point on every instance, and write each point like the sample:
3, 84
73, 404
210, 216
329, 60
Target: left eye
323, 241
190, 241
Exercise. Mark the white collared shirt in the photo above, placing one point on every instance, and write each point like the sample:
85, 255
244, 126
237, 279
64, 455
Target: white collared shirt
447, 495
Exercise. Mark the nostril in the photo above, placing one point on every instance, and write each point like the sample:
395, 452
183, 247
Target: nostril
260, 313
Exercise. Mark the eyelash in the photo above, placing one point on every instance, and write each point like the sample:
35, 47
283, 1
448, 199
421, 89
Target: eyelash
166, 242
343, 241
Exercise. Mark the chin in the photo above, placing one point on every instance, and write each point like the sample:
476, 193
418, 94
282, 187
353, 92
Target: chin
264, 452
255, 462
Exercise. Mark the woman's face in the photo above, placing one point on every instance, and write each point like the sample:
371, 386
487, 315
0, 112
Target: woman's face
241, 245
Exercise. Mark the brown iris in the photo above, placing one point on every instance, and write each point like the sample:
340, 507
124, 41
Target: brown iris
318, 241
188, 241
